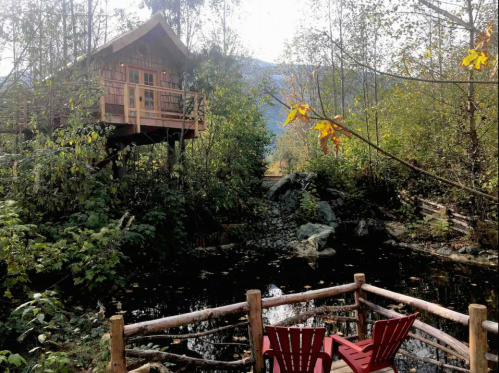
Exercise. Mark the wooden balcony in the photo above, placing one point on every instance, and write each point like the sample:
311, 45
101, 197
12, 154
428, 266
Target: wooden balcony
137, 108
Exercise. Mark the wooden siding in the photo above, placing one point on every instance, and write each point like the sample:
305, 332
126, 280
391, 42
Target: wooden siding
115, 75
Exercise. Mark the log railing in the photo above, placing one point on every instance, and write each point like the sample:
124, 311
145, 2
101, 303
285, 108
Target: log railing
192, 117
476, 355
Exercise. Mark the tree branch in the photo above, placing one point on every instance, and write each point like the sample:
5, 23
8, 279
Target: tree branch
450, 16
410, 78
394, 157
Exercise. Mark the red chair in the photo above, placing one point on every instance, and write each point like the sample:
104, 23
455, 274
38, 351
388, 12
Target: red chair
296, 350
379, 352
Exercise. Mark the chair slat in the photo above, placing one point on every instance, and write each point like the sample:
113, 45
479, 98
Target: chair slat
319, 335
295, 336
389, 334
307, 337
274, 343
283, 334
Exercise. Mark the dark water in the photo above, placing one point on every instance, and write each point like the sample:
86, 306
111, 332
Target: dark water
223, 278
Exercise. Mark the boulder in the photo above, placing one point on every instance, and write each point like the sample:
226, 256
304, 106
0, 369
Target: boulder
371, 228
322, 241
327, 214
308, 230
291, 200
444, 251
298, 181
473, 249
396, 230
307, 249
362, 229
462, 251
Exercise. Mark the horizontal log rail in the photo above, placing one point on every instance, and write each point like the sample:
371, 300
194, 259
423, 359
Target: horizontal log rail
198, 316
302, 317
188, 336
460, 348
418, 303
491, 326
185, 319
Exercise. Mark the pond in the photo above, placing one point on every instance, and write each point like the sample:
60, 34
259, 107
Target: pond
222, 278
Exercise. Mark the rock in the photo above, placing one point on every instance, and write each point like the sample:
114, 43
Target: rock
396, 230
308, 230
297, 181
483, 253
228, 247
323, 240
473, 249
362, 230
306, 249
492, 257
462, 251
291, 200
444, 251
327, 214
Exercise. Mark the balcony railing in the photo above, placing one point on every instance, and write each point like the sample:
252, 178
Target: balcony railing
136, 111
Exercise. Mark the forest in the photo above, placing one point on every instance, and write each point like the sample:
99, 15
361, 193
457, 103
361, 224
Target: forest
385, 102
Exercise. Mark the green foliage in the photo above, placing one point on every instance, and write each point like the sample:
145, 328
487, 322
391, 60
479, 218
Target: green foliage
46, 326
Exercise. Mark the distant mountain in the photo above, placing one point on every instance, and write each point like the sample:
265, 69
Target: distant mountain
256, 72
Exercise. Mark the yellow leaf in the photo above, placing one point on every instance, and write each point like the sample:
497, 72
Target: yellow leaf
291, 117
89, 139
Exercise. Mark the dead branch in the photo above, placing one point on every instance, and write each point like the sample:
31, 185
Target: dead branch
205, 364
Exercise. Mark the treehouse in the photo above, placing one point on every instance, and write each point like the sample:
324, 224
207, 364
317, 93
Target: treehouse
141, 71
141, 74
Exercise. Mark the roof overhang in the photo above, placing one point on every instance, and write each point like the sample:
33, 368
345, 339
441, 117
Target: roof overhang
122, 41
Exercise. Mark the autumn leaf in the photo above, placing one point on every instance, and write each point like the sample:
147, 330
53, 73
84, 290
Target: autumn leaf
479, 57
299, 112
329, 132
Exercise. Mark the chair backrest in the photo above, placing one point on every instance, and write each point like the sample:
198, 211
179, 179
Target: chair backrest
388, 336
296, 349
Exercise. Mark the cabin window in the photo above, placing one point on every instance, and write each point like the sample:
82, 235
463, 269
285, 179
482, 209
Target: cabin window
133, 76
148, 79
131, 95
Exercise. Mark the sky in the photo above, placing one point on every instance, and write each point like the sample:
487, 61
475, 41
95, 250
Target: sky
263, 25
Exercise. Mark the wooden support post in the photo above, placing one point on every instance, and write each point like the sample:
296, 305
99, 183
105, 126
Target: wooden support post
205, 110
137, 108
103, 108
361, 312
478, 339
254, 298
25, 109
117, 331
196, 115
126, 103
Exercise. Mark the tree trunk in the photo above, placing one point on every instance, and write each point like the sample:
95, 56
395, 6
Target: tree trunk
73, 22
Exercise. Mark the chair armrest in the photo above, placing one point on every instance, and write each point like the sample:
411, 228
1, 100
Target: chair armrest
328, 346
347, 343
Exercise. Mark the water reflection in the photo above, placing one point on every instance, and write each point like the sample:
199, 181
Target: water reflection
221, 279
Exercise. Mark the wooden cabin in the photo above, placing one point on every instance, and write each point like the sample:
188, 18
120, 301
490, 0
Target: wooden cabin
141, 72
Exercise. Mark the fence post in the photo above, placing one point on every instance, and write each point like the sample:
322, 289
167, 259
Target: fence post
478, 339
254, 298
361, 312
117, 332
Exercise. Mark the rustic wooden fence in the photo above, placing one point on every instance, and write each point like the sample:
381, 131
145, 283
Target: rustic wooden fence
475, 355
457, 222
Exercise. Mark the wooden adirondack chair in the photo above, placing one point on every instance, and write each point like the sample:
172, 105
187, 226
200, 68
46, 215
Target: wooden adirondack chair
379, 352
296, 350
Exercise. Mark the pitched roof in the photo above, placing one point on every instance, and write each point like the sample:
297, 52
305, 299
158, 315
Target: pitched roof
128, 38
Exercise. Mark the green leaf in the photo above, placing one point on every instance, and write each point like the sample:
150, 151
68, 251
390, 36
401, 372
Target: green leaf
16, 359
